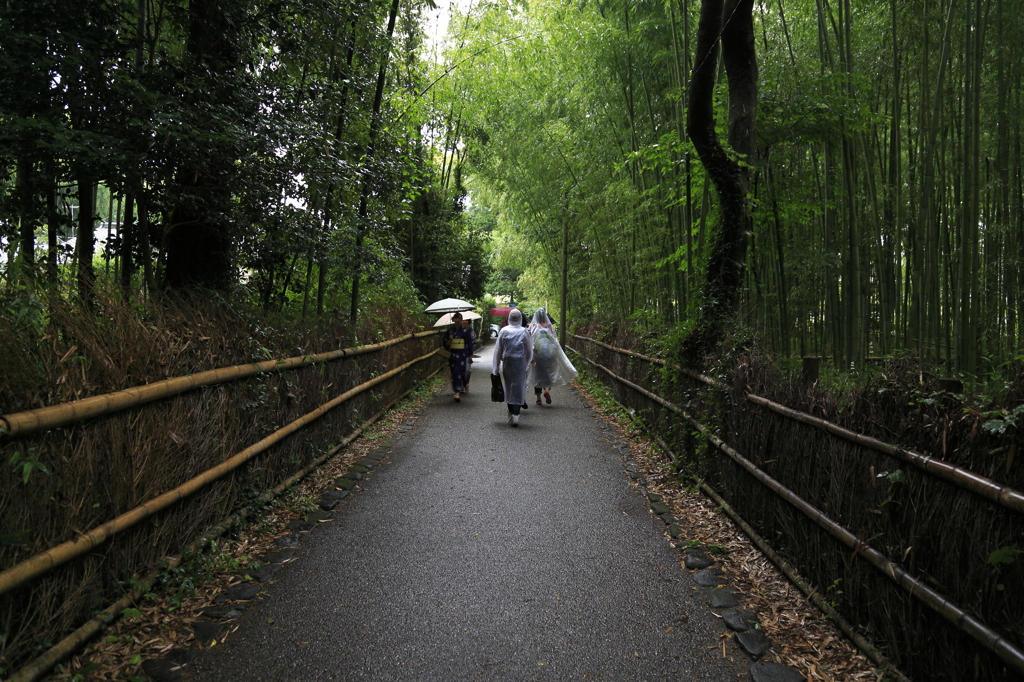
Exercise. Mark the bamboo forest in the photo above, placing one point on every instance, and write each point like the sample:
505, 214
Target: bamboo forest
714, 190
306, 150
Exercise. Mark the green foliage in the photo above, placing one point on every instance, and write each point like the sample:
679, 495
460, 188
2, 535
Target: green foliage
1005, 555
1003, 421
24, 463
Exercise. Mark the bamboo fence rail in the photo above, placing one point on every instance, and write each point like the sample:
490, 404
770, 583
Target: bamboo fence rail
55, 556
937, 602
41, 665
31, 421
812, 594
985, 487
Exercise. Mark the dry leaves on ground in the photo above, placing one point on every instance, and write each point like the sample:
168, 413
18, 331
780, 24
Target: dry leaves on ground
161, 626
802, 637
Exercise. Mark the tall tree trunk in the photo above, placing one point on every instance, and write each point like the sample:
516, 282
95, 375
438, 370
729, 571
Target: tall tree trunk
53, 222
128, 230
198, 242
25, 191
85, 240
727, 261
364, 195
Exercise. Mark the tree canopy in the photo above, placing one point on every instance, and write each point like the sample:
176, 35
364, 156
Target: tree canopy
300, 149
885, 187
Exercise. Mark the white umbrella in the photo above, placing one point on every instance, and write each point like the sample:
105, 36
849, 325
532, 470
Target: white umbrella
446, 319
449, 305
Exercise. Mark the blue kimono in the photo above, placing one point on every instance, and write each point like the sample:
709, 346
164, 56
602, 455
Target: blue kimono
459, 340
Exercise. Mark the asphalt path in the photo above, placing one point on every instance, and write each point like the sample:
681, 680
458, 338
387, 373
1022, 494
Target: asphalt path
479, 551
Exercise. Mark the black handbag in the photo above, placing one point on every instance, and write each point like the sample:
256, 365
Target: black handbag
497, 390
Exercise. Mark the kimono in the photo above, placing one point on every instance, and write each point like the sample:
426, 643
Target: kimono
459, 340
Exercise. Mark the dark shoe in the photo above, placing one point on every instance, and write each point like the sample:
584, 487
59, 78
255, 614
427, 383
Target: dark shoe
525, 406
547, 397
458, 398
538, 400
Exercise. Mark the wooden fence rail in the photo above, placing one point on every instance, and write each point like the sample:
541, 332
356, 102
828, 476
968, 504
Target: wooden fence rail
31, 421
965, 621
964, 478
42, 562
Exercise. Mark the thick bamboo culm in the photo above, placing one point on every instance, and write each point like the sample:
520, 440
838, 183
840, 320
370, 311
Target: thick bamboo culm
31, 421
55, 556
812, 594
41, 665
985, 487
975, 628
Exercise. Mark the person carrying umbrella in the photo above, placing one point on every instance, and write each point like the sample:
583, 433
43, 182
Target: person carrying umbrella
513, 351
458, 340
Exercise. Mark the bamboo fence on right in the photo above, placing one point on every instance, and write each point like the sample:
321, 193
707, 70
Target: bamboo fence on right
916, 545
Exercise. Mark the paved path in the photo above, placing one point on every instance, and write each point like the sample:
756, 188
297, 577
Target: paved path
478, 551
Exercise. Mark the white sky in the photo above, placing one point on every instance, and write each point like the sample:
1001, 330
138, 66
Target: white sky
437, 21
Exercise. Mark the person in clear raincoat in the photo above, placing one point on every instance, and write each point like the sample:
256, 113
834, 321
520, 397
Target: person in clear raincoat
551, 366
513, 352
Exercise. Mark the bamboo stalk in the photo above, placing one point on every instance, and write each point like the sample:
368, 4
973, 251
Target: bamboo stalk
38, 667
994, 492
44, 561
987, 637
31, 421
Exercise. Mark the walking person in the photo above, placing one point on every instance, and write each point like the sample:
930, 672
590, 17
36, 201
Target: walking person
513, 352
551, 366
469, 361
458, 340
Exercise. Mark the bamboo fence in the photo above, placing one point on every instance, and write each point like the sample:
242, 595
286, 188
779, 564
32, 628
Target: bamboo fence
966, 480
44, 561
41, 665
37, 609
31, 421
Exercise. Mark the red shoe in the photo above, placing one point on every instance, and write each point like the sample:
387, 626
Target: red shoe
547, 397
538, 400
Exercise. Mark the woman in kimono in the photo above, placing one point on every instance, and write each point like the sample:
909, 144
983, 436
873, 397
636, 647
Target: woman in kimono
458, 340
513, 351
551, 365
469, 361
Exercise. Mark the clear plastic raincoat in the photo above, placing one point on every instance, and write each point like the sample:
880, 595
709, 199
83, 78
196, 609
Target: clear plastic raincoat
513, 351
553, 367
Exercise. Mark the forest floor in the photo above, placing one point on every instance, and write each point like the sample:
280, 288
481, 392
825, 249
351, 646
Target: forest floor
802, 636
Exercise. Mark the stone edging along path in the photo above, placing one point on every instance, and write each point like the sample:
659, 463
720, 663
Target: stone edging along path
231, 602
214, 627
720, 596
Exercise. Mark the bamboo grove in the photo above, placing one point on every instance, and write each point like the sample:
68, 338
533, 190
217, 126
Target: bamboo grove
272, 148
887, 191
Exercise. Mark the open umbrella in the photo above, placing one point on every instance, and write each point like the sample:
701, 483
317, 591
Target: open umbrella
503, 311
446, 319
449, 305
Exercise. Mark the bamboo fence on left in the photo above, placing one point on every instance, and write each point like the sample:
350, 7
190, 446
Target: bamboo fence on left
66, 413
31, 421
